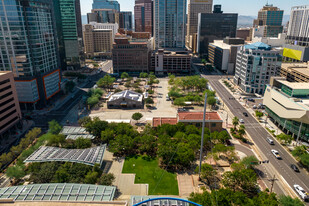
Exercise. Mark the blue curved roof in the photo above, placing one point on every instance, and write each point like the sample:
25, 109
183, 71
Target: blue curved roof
258, 46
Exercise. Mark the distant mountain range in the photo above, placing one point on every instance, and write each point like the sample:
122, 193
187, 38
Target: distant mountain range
248, 20
243, 21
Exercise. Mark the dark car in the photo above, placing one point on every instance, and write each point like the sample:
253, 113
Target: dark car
295, 168
182, 110
251, 100
245, 114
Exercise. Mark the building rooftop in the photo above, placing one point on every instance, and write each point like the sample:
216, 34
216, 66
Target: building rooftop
90, 156
127, 94
75, 132
138, 199
295, 85
258, 46
157, 121
210, 116
298, 67
59, 192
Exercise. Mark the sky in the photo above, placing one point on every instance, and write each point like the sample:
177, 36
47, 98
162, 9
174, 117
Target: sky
242, 7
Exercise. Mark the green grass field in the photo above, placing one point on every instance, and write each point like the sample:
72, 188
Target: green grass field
148, 171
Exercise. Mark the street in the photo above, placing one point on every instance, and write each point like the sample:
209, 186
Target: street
259, 134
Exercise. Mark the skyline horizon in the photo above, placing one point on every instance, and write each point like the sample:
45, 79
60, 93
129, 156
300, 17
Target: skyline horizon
242, 7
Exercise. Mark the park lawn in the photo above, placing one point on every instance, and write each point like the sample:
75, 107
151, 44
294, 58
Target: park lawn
148, 171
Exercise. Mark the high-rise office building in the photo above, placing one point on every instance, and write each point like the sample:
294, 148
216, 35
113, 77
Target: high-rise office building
270, 17
125, 20
169, 23
143, 16
69, 31
194, 8
214, 26
297, 40
28, 48
106, 4
98, 42
10, 113
255, 64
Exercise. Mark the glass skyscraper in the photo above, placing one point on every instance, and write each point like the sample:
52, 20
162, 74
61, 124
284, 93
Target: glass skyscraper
125, 20
28, 48
170, 23
69, 31
106, 4
143, 16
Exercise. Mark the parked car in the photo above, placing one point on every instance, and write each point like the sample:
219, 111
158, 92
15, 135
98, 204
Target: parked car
251, 100
276, 153
182, 110
245, 114
302, 193
295, 168
168, 98
254, 107
241, 121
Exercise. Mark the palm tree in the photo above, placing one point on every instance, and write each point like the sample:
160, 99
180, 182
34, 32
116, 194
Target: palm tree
241, 130
235, 122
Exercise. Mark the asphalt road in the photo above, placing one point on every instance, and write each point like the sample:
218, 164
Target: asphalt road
259, 134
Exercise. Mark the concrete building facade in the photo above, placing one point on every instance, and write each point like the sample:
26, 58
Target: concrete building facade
271, 18
131, 55
297, 40
165, 62
255, 64
98, 42
194, 8
10, 113
143, 16
271, 41
295, 72
287, 105
222, 54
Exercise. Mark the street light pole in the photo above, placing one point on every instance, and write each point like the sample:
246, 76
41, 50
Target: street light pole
202, 139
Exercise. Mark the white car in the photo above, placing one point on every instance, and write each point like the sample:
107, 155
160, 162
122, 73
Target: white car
302, 193
241, 121
276, 153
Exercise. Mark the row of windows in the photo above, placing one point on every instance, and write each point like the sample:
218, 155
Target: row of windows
5, 88
4, 96
8, 123
4, 81
7, 108
8, 115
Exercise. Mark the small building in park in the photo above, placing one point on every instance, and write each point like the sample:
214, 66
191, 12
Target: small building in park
125, 100
213, 121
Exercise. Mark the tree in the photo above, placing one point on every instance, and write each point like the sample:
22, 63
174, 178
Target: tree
235, 122
241, 180
208, 173
42, 172
289, 201
107, 135
106, 82
211, 101
82, 143
137, 116
69, 86
143, 75
16, 172
54, 127
124, 75
92, 101
284, 138
171, 79
299, 150
258, 114
149, 100
179, 102
174, 94
83, 121
304, 159
96, 126
242, 130
249, 162
107, 179
147, 144
91, 177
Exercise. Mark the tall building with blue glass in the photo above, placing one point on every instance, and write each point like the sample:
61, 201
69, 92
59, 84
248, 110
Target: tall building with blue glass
106, 4
170, 23
28, 48
69, 31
